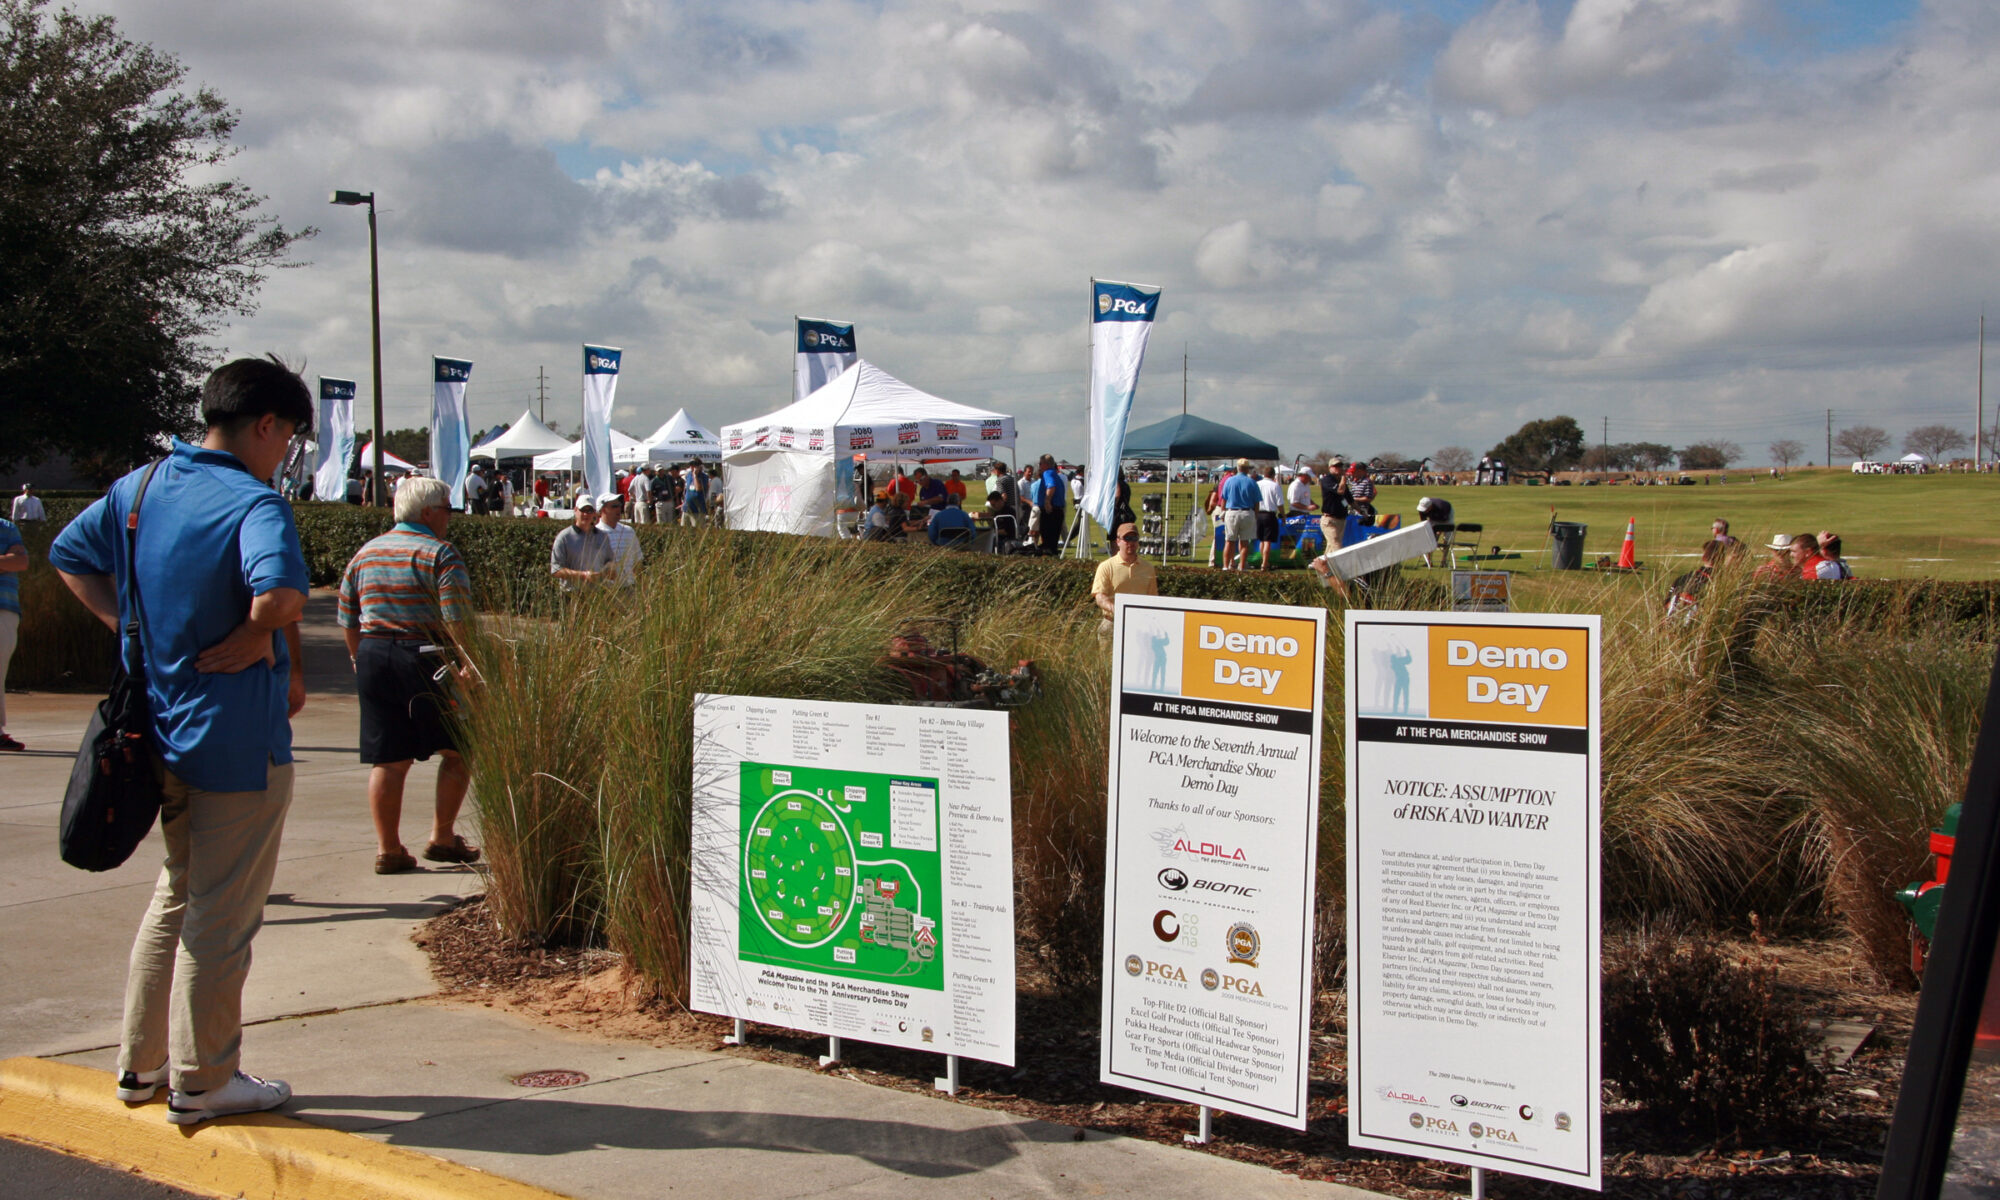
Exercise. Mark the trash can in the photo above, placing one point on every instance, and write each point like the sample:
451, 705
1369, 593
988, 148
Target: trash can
1568, 536
1924, 897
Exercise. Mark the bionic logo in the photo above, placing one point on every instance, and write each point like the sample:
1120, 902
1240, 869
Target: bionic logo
1173, 878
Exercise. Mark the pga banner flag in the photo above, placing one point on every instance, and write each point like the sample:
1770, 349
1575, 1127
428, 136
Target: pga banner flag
451, 438
826, 348
1121, 318
336, 439
600, 386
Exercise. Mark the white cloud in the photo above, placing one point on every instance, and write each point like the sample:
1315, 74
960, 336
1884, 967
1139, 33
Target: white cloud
1614, 207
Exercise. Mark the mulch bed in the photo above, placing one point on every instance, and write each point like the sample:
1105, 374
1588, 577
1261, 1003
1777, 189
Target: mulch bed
1838, 1155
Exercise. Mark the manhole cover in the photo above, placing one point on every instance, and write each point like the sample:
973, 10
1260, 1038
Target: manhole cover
550, 1079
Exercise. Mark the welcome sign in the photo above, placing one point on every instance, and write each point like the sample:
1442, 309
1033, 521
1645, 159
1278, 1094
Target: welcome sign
1212, 837
1473, 896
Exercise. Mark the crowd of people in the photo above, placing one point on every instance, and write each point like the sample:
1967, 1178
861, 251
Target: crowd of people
1809, 557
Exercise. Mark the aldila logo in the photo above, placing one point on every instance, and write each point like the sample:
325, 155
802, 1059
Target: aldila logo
1178, 842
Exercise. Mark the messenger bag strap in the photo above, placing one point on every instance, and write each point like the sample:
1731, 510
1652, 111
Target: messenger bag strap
133, 652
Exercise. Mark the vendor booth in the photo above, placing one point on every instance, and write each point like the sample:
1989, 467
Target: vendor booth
680, 439
625, 450
783, 472
391, 465
525, 438
1182, 527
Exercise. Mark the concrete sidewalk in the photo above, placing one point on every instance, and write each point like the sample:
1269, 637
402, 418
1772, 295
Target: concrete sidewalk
338, 1003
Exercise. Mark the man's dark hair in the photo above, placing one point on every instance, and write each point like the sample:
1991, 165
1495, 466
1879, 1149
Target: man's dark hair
237, 393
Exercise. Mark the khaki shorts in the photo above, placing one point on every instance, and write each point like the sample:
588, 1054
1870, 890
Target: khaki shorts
1239, 525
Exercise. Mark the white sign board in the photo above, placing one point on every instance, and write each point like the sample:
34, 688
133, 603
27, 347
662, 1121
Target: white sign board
1212, 832
1472, 890
853, 871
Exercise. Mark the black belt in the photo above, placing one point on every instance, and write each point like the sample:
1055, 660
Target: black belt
398, 638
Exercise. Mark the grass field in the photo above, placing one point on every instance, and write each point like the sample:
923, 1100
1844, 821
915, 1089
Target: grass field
1892, 526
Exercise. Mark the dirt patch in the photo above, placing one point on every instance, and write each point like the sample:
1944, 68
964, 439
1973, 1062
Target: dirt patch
1838, 1156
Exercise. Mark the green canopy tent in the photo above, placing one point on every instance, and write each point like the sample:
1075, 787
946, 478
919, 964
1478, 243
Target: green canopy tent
1188, 436
1185, 437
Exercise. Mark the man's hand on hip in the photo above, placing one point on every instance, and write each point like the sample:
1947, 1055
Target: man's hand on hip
246, 646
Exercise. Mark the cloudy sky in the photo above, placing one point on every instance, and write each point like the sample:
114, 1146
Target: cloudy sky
1379, 226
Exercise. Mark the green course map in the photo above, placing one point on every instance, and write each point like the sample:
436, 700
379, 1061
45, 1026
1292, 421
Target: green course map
841, 873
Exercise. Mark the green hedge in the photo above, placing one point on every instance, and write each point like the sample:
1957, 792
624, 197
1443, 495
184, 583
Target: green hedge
509, 561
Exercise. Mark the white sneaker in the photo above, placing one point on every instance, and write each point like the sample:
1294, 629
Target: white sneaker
242, 1094
137, 1087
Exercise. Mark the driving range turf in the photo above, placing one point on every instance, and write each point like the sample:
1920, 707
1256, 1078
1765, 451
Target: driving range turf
1935, 526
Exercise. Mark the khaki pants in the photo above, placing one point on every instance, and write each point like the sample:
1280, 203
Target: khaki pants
184, 990
10, 627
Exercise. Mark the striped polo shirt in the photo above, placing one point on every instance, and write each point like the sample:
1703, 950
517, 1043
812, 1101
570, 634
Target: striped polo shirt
406, 583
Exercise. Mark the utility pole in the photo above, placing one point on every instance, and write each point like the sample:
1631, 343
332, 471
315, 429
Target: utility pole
1979, 422
1184, 381
542, 393
1604, 449
1829, 437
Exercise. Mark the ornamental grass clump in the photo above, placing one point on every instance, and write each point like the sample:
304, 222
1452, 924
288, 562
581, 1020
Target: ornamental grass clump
583, 735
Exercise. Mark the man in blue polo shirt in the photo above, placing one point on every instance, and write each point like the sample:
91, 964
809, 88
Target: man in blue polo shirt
13, 561
1240, 498
221, 583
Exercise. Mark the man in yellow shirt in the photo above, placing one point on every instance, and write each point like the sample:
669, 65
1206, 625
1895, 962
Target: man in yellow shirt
1123, 573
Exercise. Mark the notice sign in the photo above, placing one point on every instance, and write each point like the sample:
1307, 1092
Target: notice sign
1472, 890
1481, 591
853, 872
1214, 790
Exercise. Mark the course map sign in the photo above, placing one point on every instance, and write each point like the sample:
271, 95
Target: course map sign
1472, 885
853, 872
1212, 832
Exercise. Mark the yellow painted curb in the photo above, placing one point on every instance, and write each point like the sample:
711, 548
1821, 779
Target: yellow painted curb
263, 1156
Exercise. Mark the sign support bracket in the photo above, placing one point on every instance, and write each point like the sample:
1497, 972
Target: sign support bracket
832, 1054
737, 1038
949, 1083
1202, 1138
1479, 1183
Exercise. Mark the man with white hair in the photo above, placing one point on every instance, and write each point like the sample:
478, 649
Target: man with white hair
405, 610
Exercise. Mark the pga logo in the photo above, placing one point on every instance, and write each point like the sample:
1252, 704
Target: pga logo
600, 362
1108, 305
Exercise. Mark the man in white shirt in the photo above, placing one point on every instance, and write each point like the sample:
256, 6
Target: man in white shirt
641, 496
28, 506
1270, 502
475, 491
625, 551
507, 494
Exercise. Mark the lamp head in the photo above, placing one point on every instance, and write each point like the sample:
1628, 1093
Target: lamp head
353, 198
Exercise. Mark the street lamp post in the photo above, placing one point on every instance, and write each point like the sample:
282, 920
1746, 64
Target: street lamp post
375, 321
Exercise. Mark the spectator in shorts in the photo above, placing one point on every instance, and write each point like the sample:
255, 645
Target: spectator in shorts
1239, 497
406, 612
1333, 502
1270, 503
13, 561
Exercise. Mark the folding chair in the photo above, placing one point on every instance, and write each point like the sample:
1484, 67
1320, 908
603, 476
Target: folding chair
1450, 536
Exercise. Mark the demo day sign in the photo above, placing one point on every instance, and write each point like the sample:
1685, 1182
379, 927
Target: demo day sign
1212, 833
1472, 884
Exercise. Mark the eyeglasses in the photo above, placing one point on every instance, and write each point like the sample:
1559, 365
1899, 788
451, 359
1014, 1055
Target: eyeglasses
1128, 537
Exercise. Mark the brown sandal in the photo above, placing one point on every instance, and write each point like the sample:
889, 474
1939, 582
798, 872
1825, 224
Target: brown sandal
458, 850
395, 863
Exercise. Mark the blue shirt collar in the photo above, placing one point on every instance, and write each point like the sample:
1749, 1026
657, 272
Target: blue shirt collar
413, 527
213, 458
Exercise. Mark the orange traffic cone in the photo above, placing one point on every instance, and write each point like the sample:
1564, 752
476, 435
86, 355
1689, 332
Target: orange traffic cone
1628, 553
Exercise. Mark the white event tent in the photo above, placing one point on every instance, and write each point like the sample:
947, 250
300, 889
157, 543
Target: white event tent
525, 438
389, 461
683, 438
780, 472
624, 449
